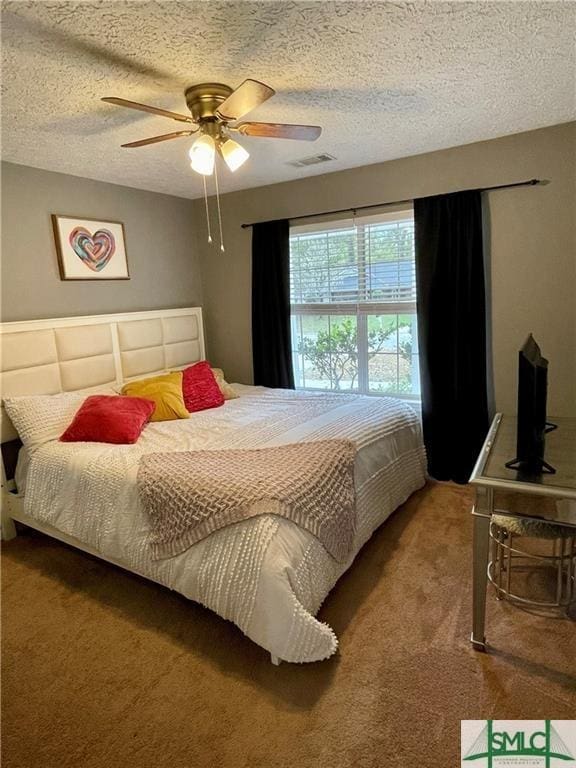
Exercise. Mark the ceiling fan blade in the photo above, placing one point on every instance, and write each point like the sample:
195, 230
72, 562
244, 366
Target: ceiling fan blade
249, 95
146, 108
280, 131
156, 139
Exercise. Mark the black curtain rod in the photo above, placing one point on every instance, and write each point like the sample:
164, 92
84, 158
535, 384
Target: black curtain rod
528, 183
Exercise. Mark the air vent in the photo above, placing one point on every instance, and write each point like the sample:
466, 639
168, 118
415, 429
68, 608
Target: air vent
314, 160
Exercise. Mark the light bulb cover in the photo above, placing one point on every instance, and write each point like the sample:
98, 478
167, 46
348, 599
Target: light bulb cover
202, 154
233, 153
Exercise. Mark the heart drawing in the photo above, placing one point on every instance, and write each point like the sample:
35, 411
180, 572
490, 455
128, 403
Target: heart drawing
94, 250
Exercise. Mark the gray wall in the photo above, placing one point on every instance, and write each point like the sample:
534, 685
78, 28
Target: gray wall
532, 247
160, 242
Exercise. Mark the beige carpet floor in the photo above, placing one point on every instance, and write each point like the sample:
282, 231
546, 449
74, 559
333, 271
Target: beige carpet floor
104, 669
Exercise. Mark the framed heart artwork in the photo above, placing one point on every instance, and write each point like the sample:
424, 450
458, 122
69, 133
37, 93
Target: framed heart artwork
90, 249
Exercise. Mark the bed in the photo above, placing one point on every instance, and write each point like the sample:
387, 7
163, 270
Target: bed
266, 574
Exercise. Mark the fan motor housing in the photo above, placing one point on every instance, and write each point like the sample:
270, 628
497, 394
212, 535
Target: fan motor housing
203, 100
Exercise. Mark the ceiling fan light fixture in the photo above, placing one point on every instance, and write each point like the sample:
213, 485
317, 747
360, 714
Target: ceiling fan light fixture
202, 155
233, 153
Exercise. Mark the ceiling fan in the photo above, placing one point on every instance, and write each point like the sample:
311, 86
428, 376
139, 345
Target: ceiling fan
215, 110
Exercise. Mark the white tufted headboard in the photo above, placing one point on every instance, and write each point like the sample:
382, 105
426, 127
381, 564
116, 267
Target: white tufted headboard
82, 353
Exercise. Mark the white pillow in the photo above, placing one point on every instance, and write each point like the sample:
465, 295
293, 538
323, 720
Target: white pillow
38, 419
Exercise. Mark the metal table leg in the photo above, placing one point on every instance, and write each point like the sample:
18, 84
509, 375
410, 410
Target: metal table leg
482, 513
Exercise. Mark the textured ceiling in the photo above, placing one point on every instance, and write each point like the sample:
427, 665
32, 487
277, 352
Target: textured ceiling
383, 79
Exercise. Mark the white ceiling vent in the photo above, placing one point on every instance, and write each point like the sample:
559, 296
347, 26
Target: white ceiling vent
314, 160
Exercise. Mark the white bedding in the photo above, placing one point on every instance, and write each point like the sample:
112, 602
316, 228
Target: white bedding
265, 574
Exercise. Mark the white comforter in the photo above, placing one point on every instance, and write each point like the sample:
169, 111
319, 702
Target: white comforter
266, 574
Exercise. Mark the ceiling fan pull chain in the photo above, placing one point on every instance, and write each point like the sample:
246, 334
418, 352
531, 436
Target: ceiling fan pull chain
207, 214
218, 205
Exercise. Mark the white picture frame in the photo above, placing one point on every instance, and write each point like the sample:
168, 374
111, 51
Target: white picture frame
90, 249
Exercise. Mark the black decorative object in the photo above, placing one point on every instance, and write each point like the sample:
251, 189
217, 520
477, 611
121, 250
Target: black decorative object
531, 423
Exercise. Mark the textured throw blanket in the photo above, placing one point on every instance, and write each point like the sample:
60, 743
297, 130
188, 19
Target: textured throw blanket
191, 494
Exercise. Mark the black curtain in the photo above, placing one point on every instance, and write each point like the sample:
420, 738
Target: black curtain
451, 331
271, 342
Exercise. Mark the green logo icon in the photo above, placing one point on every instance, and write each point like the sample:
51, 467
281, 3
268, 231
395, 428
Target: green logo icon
545, 744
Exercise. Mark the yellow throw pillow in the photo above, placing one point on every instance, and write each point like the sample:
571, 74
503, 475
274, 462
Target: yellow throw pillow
165, 391
228, 391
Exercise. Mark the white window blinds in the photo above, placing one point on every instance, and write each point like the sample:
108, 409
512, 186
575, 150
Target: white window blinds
370, 259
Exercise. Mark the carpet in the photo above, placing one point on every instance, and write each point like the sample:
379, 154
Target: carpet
104, 669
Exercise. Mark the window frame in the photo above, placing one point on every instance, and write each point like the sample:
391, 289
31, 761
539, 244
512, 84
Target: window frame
360, 309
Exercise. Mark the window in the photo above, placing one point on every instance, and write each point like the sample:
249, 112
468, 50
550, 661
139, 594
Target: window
353, 296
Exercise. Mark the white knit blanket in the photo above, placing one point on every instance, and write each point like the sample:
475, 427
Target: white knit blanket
190, 494
266, 574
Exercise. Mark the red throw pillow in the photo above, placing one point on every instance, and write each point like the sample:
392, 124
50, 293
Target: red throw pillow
109, 419
200, 388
